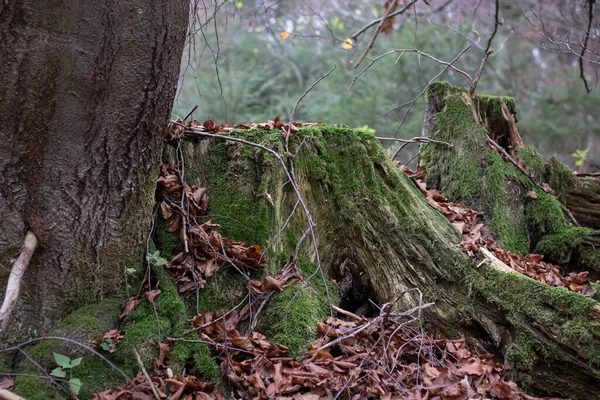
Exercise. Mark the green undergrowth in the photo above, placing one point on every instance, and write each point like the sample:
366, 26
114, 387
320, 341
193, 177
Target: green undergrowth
143, 329
469, 172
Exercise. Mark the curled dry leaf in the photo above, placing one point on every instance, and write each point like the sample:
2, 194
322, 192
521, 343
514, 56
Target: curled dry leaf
151, 295
131, 305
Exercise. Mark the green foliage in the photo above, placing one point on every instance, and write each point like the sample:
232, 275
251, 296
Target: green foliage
580, 157
65, 365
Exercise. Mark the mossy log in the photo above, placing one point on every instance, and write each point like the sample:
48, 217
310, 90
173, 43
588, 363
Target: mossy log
378, 237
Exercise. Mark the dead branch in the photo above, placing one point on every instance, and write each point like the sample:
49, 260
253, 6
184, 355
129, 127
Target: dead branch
496, 23
72, 341
585, 43
524, 172
412, 103
374, 37
380, 20
141, 365
15, 280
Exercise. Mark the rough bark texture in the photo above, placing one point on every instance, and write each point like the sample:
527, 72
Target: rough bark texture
87, 88
583, 199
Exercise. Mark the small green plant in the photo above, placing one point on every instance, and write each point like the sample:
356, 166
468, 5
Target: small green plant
580, 157
156, 260
65, 364
108, 345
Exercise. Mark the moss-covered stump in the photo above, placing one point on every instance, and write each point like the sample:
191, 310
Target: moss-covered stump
377, 236
522, 217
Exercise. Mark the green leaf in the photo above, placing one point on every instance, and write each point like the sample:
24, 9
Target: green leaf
75, 385
61, 360
58, 372
76, 362
104, 346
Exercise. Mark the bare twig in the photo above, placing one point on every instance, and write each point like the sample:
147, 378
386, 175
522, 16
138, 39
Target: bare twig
474, 101
585, 43
306, 92
496, 23
391, 6
420, 53
378, 21
524, 172
75, 342
141, 365
425, 90
15, 279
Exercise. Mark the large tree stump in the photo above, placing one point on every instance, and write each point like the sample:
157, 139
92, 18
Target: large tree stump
377, 234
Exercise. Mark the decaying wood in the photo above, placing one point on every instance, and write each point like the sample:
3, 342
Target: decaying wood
16, 279
584, 200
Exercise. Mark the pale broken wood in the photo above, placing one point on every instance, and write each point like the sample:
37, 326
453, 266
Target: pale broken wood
6, 395
495, 262
16, 279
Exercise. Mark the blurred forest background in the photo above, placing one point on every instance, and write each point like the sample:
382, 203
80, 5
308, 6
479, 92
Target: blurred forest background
255, 58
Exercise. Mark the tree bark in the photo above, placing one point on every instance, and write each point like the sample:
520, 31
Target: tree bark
87, 88
583, 199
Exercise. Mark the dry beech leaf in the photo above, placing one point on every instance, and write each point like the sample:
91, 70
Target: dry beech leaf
284, 35
150, 296
131, 305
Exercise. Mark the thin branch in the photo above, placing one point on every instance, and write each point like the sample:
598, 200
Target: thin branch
141, 365
463, 51
75, 342
377, 21
419, 52
585, 43
496, 23
377, 31
306, 92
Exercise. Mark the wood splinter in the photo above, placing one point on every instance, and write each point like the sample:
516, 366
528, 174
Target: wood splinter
16, 279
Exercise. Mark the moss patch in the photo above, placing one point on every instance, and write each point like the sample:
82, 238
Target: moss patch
470, 173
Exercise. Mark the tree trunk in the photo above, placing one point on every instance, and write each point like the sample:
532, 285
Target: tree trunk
87, 88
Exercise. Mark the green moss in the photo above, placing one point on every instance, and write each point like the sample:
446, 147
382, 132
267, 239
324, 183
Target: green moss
550, 232
32, 388
559, 246
238, 200
295, 312
468, 172
167, 242
194, 353
522, 352
534, 161
148, 325
589, 258
83, 325
560, 178
525, 299
439, 90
